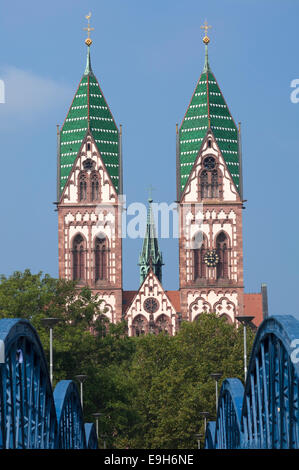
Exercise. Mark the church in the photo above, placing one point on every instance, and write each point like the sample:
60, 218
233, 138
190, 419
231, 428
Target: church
209, 206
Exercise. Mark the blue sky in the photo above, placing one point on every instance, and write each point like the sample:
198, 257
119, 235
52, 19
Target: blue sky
147, 57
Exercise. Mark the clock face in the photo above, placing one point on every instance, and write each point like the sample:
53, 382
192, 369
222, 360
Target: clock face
151, 305
211, 258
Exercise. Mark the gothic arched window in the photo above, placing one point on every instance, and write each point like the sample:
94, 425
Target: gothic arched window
82, 186
209, 187
78, 258
101, 258
222, 250
139, 325
163, 324
204, 184
199, 251
95, 187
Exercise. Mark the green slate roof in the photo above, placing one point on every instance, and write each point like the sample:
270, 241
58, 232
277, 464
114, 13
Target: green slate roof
208, 109
150, 255
89, 110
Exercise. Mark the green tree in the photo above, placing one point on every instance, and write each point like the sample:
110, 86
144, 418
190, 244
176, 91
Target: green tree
150, 389
173, 384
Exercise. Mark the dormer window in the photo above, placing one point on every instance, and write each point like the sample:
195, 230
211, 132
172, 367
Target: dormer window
88, 146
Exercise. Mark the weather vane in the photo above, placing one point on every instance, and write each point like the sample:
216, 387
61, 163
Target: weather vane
88, 41
206, 27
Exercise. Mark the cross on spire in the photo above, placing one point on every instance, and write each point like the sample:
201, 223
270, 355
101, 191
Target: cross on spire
88, 41
206, 27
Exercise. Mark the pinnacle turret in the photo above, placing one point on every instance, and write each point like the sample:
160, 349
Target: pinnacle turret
150, 257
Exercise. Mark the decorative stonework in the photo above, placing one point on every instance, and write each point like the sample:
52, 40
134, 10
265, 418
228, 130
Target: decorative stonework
93, 211
151, 305
208, 219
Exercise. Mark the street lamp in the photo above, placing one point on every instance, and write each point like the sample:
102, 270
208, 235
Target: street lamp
97, 416
216, 376
245, 320
81, 378
204, 414
50, 323
104, 437
198, 437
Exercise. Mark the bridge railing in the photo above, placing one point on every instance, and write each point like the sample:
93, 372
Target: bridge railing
31, 415
265, 413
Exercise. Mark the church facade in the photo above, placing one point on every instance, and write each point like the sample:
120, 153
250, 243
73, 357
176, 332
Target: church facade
209, 204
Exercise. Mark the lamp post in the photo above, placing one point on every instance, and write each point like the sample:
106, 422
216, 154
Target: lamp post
216, 376
204, 414
81, 378
97, 416
245, 320
50, 323
104, 437
198, 437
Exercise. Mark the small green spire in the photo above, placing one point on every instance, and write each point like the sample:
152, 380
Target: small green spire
206, 65
150, 257
88, 69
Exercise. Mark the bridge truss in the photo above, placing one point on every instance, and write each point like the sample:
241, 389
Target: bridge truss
31, 415
263, 414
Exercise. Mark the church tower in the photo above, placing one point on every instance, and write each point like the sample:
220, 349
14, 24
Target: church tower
89, 190
209, 194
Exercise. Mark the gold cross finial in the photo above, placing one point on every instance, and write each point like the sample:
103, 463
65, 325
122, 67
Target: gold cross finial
150, 192
88, 41
206, 27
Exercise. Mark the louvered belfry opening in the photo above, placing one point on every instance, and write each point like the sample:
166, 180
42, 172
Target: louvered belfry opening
78, 258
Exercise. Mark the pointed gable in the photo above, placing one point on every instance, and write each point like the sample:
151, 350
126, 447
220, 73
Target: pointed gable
208, 110
89, 111
150, 288
229, 189
107, 192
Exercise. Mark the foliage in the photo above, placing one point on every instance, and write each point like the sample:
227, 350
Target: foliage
150, 389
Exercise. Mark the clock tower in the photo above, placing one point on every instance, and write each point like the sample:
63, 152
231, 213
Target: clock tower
210, 200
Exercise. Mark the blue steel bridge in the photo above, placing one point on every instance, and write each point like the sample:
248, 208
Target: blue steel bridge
32, 416
263, 414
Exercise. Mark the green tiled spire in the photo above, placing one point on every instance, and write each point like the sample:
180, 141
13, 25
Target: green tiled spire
150, 257
89, 111
207, 110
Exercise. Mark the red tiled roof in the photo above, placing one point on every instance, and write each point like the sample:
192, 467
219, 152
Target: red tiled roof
253, 305
174, 297
128, 296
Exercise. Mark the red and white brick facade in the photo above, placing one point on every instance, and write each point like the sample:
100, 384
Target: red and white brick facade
205, 218
91, 218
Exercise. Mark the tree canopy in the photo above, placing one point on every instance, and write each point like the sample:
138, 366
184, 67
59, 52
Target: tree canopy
151, 389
